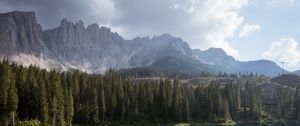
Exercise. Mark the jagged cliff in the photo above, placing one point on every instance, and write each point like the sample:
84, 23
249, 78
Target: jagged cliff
21, 40
95, 49
20, 33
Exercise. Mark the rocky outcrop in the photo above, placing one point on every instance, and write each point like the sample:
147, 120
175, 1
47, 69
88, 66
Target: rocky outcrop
92, 49
21, 41
20, 33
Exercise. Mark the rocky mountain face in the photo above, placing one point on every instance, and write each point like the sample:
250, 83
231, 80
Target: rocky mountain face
20, 33
218, 58
95, 49
21, 40
92, 49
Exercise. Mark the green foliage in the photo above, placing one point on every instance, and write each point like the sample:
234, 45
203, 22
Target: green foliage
8, 98
53, 98
297, 103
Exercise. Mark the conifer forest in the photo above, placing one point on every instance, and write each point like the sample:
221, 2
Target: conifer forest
34, 95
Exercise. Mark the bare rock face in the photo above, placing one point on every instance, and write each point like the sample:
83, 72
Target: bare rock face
95, 49
20, 33
151, 49
90, 49
72, 45
21, 41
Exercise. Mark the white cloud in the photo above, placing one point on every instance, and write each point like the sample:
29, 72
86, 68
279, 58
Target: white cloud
274, 2
219, 19
50, 12
175, 6
202, 23
247, 29
284, 50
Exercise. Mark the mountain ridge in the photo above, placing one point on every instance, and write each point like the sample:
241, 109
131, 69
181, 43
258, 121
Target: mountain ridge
95, 49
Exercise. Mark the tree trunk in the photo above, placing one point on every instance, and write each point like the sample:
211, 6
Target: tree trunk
13, 119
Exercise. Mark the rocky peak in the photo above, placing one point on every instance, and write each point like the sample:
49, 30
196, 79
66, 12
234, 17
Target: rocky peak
107, 35
64, 22
105, 29
26, 20
164, 37
141, 38
19, 16
80, 24
197, 50
216, 51
20, 33
93, 27
214, 56
94, 32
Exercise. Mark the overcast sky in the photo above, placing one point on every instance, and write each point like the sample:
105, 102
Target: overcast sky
245, 29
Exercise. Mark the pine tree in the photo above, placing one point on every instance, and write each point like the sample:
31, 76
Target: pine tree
226, 109
186, 104
32, 93
297, 103
21, 84
120, 108
68, 98
176, 102
57, 104
94, 107
8, 97
43, 105
102, 108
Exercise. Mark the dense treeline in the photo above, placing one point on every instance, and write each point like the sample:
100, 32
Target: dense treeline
69, 98
150, 72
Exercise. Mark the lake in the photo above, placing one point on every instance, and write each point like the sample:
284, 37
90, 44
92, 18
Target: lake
262, 124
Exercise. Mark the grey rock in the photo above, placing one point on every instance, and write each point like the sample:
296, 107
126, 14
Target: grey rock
95, 49
20, 33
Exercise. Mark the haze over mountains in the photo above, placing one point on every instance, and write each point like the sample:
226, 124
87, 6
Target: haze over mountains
95, 49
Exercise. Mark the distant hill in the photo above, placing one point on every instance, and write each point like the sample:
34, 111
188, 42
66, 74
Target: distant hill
290, 80
223, 62
297, 72
265, 67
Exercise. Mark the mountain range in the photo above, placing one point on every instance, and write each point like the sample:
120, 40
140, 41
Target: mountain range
94, 49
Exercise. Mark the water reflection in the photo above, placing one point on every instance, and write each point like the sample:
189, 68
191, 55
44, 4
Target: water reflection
262, 124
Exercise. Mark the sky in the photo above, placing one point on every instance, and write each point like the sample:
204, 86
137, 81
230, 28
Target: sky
245, 29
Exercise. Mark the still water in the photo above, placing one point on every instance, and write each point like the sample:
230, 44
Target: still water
239, 124
263, 124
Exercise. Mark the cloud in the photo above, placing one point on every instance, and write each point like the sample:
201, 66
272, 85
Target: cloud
284, 50
51, 12
202, 23
247, 29
275, 2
